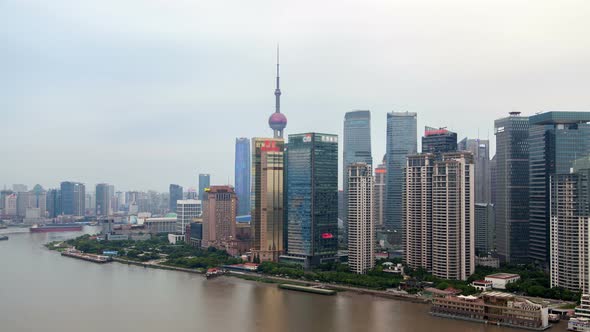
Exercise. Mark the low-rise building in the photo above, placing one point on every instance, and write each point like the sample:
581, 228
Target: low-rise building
160, 225
500, 280
583, 310
495, 308
488, 261
482, 285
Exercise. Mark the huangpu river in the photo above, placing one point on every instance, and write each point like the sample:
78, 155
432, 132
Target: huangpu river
43, 291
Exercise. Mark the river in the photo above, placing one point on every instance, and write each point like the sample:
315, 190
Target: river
42, 291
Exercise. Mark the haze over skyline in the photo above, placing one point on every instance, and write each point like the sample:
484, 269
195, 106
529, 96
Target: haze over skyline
144, 93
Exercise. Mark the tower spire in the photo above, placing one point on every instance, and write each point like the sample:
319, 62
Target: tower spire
277, 120
278, 88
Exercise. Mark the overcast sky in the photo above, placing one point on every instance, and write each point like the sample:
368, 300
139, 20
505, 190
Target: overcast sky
144, 93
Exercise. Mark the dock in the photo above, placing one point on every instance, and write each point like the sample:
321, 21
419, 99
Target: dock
87, 257
308, 289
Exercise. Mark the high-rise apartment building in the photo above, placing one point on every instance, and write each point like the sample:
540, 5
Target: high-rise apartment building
512, 188
219, 217
361, 230
569, 234
556, 139
438, 140
417, 211
176, 194
401, 142
186, 211
379, 193
73, 198
242, 175
268, 224
204, 182
312, 199
357, 146
439, 214
453, 217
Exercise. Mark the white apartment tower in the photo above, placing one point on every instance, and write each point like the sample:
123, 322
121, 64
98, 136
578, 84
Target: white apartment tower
361, 230
186, 211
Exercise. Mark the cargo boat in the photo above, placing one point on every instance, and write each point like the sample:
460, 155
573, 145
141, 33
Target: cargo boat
3, 237
55, 228
314, 290
87, 257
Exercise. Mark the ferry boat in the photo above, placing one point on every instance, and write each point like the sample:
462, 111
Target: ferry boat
3, 237
214, 272
55, 228
579, 324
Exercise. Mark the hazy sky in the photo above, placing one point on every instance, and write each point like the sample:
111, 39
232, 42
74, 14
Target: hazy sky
144, 93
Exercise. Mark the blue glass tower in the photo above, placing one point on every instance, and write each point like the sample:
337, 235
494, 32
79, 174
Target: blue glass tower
401, 142
556, 139
242, 175
204, 182
312, 198
176, 194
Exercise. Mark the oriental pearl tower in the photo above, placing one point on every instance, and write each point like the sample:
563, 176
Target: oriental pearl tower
278, 120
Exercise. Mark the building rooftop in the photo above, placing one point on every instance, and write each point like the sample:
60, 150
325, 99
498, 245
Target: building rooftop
558, 117
503, 276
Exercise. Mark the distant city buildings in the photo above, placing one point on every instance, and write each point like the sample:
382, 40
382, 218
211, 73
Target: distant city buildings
73, 198
104, 195
243, 167
401, 142
204, 183
312, 199
361, 229
175, 195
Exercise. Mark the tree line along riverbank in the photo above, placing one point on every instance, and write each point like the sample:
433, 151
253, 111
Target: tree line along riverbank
534, 282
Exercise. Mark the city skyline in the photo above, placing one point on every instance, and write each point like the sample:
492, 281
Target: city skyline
147, 105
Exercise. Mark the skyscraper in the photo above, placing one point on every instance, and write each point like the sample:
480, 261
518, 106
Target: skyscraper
73, 198
401, 142
379, 193
438, 214
484, 228
242, 175
204, 182
512, 188
417, 211
361, 230
357, 146
186, 211
569, 229
176, 194
481, 156
103, 199
438, 140
453, 217
312, 199
556, 139
267, 194
53, 203
219, 217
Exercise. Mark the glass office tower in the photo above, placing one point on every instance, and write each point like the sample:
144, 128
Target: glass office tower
401, 142
312, 198
556, 139
242, 175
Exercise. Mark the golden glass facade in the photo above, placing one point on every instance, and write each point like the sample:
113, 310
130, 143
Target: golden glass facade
267, 198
